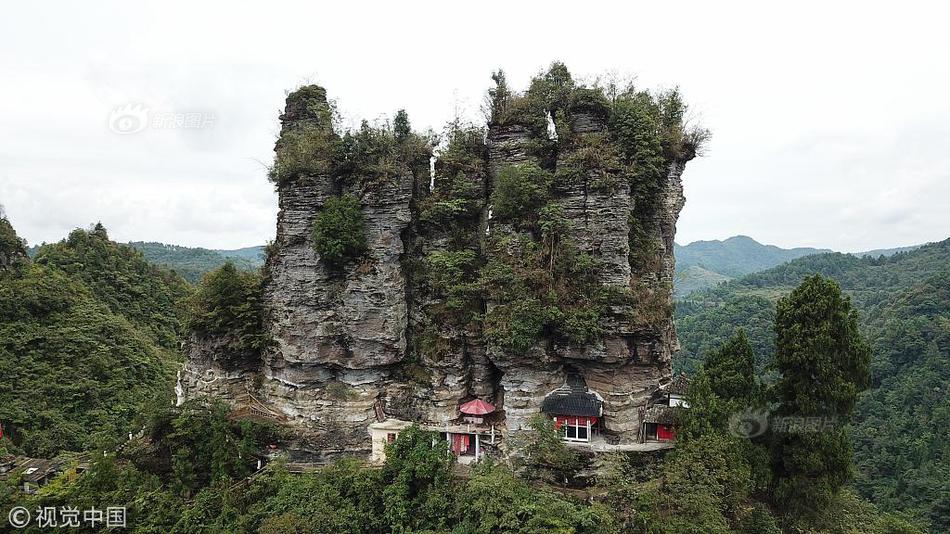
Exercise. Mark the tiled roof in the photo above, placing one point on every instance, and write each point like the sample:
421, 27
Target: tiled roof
679, 385
660, 414
573, 398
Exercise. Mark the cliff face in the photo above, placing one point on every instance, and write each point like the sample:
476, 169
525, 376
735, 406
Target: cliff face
539, 247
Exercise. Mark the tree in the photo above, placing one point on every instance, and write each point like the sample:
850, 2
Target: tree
417, 480
824, 364
725, 388
401, 128
731, 370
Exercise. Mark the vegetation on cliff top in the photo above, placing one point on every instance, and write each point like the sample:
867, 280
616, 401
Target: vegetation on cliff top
228, 305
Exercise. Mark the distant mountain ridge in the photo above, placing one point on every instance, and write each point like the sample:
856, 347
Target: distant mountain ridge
737, 256
703, 264
192, 263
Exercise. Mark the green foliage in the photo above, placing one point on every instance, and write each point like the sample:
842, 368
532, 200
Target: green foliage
543, 289
196, 444
401, 128
823, 362
724, 388
592, 160
822, 357
73, 370
507, 108
416, 479
227, 304
309, 146
459, 172
193, 263
544, 455
904, 299
339, 231
520, 190
731, 370
450, 275
494, 501
12, 248
518, 325
79, 343
304, 151
120, 277
703, 486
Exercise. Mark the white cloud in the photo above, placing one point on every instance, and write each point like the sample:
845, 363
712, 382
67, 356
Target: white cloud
828, 119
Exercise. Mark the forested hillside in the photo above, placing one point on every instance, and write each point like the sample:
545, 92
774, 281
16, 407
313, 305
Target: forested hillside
193, 263
703, 264
901, 432
88, 338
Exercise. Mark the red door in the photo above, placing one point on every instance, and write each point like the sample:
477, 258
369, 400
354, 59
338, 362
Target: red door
665, 433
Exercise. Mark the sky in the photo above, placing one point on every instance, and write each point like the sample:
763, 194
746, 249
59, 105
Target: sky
830, 120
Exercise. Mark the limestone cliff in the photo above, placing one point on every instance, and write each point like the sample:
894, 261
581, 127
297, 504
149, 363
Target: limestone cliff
537, 247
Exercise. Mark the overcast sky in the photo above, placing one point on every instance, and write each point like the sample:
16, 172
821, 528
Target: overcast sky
830, 120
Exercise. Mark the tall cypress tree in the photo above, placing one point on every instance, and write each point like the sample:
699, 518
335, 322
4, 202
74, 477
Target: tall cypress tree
824, 364
731, 369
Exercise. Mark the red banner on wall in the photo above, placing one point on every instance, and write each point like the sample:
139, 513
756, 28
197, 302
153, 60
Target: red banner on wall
561, 420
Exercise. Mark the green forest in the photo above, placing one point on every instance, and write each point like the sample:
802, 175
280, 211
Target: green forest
192, 263
900, 431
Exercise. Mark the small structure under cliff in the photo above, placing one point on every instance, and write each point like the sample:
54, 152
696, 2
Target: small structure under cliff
503, 263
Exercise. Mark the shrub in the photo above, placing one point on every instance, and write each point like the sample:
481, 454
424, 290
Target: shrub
339, 231
10, 244
518, 325
520, 191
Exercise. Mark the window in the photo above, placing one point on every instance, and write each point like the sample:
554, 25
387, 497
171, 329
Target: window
577, 429
391, 437
651, 431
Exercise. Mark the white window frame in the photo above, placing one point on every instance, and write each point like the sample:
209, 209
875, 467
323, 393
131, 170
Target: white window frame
576, 427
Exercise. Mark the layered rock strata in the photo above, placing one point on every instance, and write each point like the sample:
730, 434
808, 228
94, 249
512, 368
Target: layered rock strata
389, 335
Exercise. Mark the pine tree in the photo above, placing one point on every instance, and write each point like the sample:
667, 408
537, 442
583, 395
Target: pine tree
401, 127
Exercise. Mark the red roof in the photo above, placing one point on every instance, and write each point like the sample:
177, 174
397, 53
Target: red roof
476, 407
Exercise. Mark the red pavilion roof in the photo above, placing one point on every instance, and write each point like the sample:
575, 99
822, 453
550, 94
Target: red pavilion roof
476, 407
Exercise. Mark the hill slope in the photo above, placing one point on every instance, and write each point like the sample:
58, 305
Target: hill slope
737, 256
88, 334
706, 263
902, 428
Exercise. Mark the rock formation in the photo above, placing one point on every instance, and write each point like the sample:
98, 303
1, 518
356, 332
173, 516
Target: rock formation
533, 249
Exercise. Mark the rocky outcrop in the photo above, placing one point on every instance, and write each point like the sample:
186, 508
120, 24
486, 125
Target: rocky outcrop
401, 330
